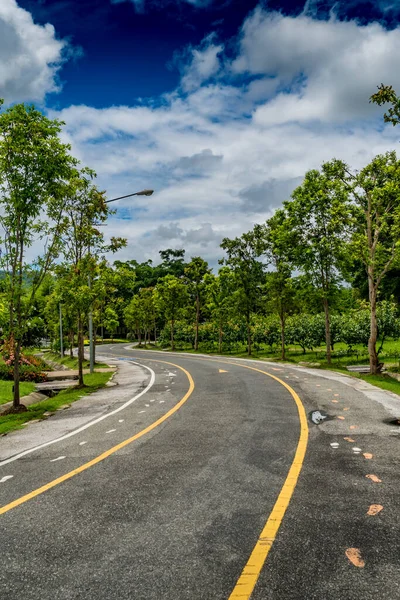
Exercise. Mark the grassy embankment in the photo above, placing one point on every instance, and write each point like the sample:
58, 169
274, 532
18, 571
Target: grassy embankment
341, 357
64, 398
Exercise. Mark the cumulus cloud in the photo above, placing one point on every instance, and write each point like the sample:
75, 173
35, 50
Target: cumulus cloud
30, 55
224, 153
327, 70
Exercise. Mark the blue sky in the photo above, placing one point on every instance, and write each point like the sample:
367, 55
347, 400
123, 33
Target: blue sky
219, 105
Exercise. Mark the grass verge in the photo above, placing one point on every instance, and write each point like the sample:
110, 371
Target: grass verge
6, 393
71, 363
36, 411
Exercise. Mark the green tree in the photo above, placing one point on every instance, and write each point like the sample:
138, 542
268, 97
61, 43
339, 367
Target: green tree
134, 317
318, 217
278, 249
218, 291
242, 259
83, 245
111, 322
195, 272
375, 194
172, 298
387, 95
33, 166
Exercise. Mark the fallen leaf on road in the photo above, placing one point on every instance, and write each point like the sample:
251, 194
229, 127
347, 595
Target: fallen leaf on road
354, 556
374, 509
367, 455
349, 439
374, 478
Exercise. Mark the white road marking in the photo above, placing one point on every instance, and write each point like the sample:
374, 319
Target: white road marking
356, 450
141, 411
171, 374
121, 420
111, 430
59, 458
72, 433
335, 445
152, 400
147, 405
6, 478
162, 401
82, 443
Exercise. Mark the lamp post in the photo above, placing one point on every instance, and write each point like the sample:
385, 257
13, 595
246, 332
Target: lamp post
91, 341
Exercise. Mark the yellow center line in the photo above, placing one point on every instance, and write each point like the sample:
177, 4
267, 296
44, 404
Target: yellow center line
251, 572
106, 454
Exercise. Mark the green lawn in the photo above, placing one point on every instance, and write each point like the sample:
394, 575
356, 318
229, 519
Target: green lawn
35, 411
6, 394
71, 363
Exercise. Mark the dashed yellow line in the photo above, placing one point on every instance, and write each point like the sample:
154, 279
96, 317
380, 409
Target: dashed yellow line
104, 455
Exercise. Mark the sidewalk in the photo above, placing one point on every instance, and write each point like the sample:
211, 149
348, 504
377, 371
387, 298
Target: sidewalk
130, 379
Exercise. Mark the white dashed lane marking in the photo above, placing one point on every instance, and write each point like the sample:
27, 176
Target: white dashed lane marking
58, 458
6, 478
111, 430
82, 443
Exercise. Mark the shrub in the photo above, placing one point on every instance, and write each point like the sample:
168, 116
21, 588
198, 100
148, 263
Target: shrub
26, 373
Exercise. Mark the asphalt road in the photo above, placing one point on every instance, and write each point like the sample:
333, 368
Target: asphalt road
169, 497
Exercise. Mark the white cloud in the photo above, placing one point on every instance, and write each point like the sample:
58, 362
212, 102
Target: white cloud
222, 153
329, 69
30, 55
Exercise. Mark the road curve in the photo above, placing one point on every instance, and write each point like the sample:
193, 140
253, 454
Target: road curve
169, 498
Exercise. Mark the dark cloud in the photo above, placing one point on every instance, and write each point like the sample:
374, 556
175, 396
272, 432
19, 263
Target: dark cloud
197, 164
268, 195
202, 236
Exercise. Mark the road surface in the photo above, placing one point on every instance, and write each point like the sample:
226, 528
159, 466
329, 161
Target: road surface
214, 484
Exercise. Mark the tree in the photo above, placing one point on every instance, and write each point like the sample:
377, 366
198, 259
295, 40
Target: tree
33, 167
134, 317
375, 194
278, 247
218, 291
242, 255
171, 297
83, 244
111, 322
195, 273
318, 217
387, 95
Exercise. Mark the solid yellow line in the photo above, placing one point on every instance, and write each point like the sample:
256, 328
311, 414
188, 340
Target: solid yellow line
106, 454
251, 572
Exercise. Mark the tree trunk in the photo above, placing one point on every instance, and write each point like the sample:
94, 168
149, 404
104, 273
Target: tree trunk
282, 320
220, 339
327, 331
155, 332
16, 398
102, 334
139, 336
80, 352
196, 336
373, 355
248, 336
71, 344
172, 335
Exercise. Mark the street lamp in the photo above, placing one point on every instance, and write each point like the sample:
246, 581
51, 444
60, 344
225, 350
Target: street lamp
91, 345
142, 193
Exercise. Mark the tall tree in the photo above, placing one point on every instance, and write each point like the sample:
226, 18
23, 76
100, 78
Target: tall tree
318, 217
83, 244
375, 194
33, 166
171, 297
278, 249
195, 273
242, 258
219, 290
